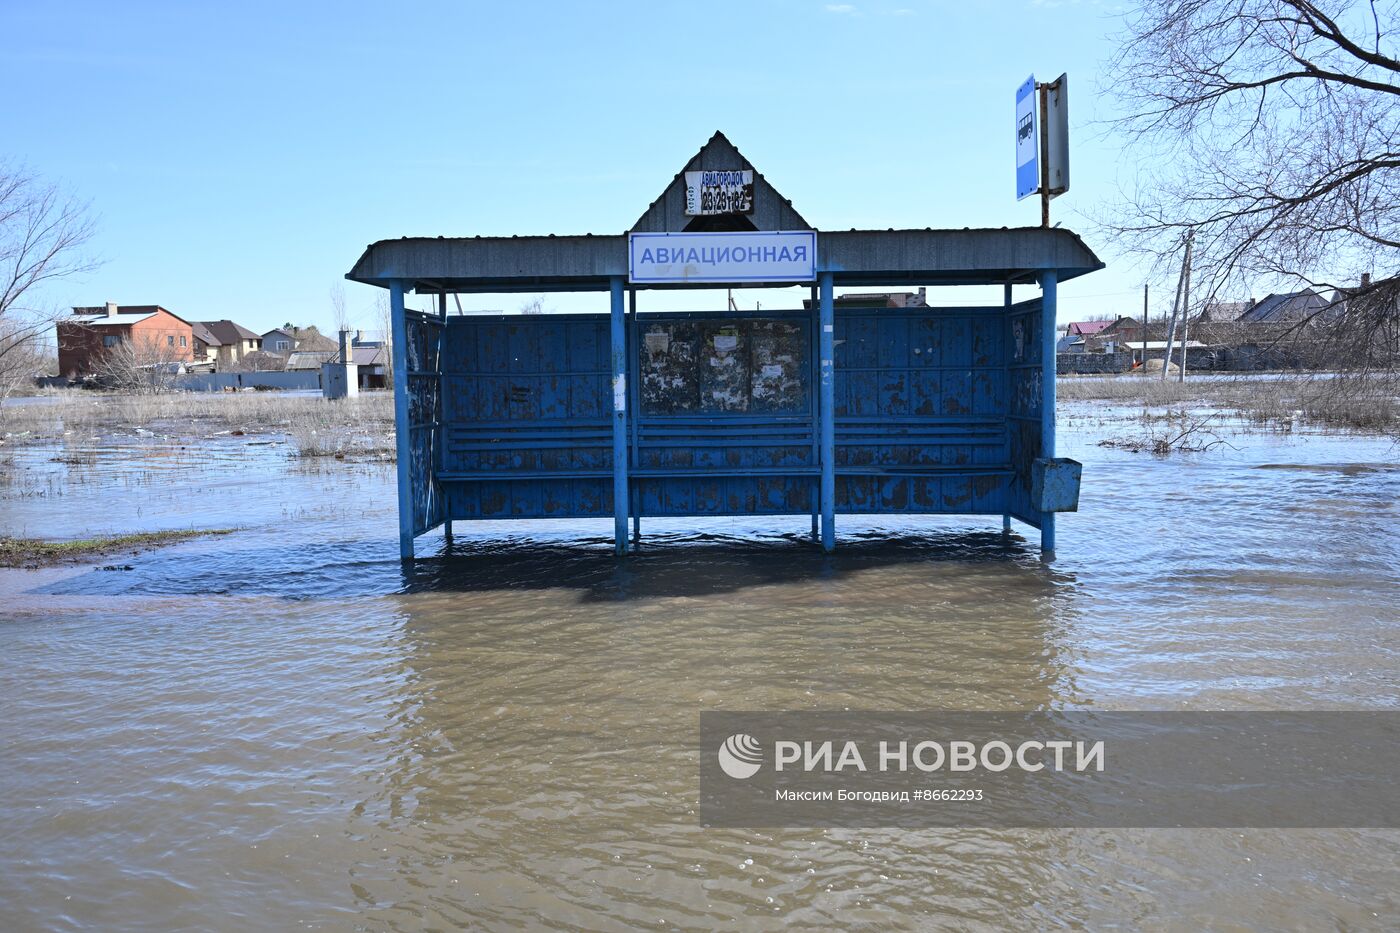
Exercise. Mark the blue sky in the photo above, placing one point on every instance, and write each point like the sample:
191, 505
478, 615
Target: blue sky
239, 157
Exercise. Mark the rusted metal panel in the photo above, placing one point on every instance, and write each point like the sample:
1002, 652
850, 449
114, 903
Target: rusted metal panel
934, 411
1025, 405
1055, 484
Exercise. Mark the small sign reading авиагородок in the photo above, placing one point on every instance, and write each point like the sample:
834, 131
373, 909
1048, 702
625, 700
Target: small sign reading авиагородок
719, 192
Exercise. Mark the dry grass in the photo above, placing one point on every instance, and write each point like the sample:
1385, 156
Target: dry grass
1358, 404
36, 552
362, 426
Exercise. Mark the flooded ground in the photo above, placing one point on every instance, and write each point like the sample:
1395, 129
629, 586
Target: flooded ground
279, 728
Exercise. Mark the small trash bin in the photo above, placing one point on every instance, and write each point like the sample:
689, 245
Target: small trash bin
1055, 484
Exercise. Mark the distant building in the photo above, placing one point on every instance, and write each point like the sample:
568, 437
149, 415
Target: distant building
917, 299
1224, 312
1085, 328
279, 340
206, 345
372, 362
1286, 308
309, 359
1099, 336
153, 332
226, 343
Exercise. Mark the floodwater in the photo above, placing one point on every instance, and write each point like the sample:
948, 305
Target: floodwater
280, 729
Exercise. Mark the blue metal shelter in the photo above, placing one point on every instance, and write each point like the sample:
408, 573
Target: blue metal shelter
814, 411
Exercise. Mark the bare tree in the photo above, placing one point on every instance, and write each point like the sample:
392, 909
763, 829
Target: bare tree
141, 365
23, 356
341, 319
1272, 130
386, 324
43, 234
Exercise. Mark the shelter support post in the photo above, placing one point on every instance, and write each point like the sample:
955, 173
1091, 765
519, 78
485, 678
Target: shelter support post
816, 426
401, 436
442, 396
619, 404
1049, 287
1006, 304
828, 412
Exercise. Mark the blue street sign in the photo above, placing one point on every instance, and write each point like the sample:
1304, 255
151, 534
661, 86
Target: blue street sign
1027, 141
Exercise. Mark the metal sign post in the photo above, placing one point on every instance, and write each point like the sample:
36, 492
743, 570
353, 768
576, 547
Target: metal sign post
1042, 145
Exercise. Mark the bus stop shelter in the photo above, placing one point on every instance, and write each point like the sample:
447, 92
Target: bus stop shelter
815, 410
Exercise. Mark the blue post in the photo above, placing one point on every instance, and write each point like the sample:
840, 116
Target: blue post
828, 407
1049, 286
1006, 305
619, 404
442, 396
814, 344
402, 444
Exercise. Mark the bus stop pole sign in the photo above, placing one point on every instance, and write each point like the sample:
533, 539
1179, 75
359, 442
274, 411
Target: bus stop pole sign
1027, 141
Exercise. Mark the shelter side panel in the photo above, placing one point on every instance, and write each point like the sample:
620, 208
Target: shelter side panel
527, 432
921, 402
1025, 369
424, 335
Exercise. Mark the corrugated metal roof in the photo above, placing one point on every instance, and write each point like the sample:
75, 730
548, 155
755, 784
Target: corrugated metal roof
869, 258
308, 359
855, 258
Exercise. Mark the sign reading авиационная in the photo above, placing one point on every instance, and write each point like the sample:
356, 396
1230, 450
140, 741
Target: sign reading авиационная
759, 256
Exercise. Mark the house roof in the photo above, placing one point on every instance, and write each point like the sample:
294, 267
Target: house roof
1085, 328
308, 359
105, 320
366, 356
1286, 307
277, 330
229, 332
125, 316
1223, 312
1162, 344
317, 343
204, 335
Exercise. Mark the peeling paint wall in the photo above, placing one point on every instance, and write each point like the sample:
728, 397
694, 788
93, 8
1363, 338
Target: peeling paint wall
724, 365
937, 411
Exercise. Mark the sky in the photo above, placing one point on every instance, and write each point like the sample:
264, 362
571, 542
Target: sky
238, 157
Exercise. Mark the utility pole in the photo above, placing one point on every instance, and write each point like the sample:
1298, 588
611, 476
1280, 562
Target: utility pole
1176, 306
1186, 306
1144, 328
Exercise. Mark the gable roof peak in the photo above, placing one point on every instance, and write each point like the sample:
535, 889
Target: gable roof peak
771, 211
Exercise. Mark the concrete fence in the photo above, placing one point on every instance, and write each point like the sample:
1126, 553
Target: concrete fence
219, 382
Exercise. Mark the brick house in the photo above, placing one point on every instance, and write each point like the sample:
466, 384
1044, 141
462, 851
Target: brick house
90, 333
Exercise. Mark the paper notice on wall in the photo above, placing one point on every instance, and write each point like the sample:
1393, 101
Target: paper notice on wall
772, 372
724, 343
658, 342
619, 393
723, 192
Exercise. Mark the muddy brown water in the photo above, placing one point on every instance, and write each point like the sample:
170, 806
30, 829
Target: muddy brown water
281, 729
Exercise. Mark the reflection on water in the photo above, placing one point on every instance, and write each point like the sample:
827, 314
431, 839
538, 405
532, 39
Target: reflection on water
282, 727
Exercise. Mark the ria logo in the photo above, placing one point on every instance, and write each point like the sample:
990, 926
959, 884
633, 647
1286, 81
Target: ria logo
740, 756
